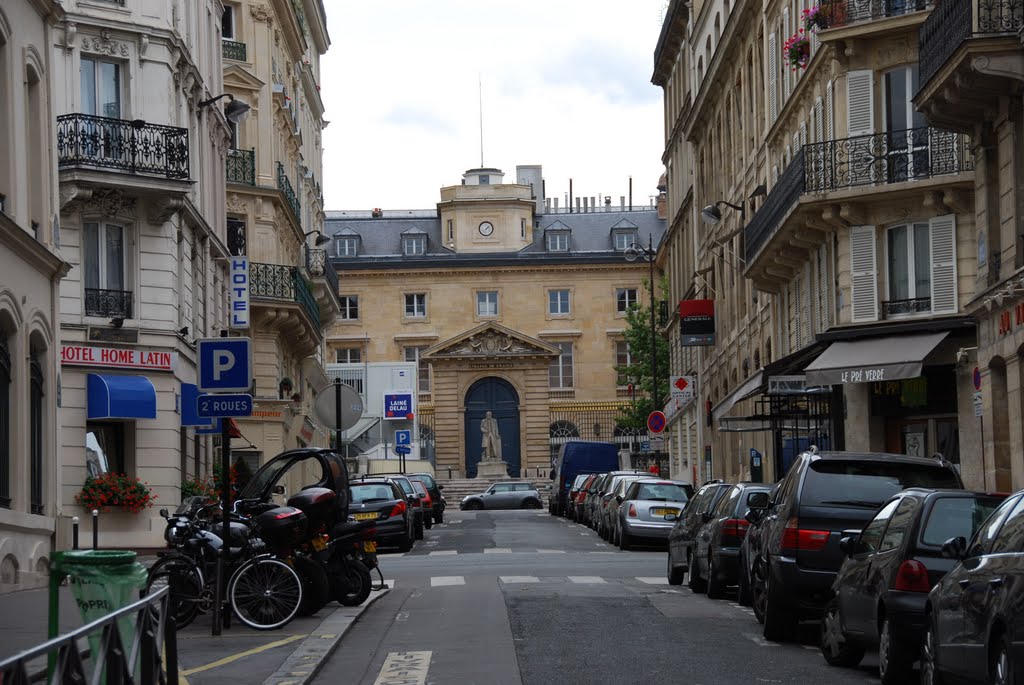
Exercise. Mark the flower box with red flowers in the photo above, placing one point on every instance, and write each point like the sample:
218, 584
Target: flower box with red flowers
109, 491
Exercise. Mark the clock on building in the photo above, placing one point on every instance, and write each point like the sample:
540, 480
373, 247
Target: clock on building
486, 228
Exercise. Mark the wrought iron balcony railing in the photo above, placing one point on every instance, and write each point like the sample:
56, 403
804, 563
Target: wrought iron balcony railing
285, 186
280, 282
241, 166
318, 263
955, 21
134, 146
784, 195
917, 305
110, 304
889, 157
834, 13
233, 50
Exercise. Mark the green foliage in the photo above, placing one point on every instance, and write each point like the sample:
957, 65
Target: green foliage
638, 336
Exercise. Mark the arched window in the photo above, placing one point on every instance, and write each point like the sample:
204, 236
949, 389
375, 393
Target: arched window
561, 432
36, 380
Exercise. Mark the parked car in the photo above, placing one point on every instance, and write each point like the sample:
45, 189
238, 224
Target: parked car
599, 512
642, 514
717, 546
610, 505
570, 500
889, 569
822, 495
436, 499
426, 505
973, 615
576, 457
380, 499
750, 548
507, 495
412, 497
683, 535
587, 500
581, 495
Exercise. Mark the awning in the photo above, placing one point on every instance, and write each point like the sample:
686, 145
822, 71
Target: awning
873, 359
751, 386
120, 397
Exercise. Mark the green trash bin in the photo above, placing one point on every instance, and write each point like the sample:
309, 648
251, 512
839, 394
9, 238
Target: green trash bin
102, 581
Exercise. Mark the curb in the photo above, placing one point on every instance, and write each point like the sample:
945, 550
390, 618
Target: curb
307, 659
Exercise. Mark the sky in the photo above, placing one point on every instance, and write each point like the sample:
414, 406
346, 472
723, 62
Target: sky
565, 84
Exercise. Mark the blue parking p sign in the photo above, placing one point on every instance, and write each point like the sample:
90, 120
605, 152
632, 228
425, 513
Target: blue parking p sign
225, 364
403, 437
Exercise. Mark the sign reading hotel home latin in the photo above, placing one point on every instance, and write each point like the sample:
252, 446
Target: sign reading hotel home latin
239, 292
117, 358
397, 406
697, 323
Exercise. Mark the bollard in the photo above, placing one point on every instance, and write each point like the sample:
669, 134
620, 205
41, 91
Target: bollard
74, 532
449, 473
95, 529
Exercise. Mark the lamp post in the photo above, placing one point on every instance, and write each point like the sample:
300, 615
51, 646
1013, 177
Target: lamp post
648, 254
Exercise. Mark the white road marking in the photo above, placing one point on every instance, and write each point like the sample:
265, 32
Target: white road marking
653, 580
437, 581
590, 580
446, 552
550, 551
498, 550
760, 641
519, 579
404, 668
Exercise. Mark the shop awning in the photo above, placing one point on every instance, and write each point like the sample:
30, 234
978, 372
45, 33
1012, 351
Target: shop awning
751, 386
872, 359
120, 397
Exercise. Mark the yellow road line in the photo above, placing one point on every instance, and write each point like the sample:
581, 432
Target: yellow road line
241, 655
182, 680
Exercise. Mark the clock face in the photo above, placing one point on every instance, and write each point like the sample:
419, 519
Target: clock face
486, 228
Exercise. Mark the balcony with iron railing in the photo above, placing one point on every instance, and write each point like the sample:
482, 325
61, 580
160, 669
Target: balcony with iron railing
241, 166
283, 283
894, 309
233, 50
955, 23
832, 14
136, 147
109, 304
285, 186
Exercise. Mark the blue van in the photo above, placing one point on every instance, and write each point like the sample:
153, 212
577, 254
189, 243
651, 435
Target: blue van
576, 457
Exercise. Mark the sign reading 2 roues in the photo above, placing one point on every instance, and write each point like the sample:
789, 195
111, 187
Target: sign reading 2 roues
656, 421
213, 406
397, 406
225, 364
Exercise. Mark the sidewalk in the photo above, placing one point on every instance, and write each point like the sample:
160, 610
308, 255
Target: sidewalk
291, 655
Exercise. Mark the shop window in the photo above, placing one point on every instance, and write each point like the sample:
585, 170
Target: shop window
560, 371
36, 421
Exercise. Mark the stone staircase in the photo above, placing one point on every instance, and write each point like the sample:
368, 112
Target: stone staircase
457, 488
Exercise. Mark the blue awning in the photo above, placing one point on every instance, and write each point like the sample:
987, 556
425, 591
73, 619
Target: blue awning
121, 397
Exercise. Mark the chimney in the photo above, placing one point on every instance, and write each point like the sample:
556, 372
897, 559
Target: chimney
608, 204
593, 204
585, 205
577, 205
622, 202
547, 205
556, 204
663, 205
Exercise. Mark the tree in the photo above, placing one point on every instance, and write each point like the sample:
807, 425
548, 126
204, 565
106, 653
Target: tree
638, 371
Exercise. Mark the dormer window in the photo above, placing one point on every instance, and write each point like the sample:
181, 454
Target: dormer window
623, 239
558, 241
414, 245
346, 245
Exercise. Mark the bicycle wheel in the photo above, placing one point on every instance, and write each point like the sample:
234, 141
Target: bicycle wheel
185, 601
265, 593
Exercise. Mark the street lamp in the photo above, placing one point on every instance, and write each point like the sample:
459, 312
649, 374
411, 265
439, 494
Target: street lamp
235, 111
321, 238
648, 254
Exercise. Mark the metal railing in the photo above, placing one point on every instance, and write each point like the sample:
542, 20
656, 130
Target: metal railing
889, 157
955, 21
285, 186
833, 13
140, 662
784, 195
233, 50
917, 305
241, 166
114, 304
135, 146
280, 282
318, 263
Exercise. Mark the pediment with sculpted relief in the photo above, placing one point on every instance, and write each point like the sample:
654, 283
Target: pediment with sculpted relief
490, 340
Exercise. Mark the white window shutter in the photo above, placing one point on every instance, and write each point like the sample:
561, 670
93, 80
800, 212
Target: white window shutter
779, 347
796, 141
943, 244
803, 133
823, 289
806, 312
798, 320
860, 103
773, 79
863, 276
775, 175
818, 120
787, 70
830, 126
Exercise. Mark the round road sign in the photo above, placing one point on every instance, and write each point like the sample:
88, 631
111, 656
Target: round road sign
977, 378
656, 421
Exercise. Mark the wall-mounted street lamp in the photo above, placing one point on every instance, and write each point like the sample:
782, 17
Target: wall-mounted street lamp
712, 214
648, 254
321, 238
234, 112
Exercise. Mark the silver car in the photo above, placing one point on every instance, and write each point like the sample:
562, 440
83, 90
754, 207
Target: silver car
644, 506
514, 495
615, 497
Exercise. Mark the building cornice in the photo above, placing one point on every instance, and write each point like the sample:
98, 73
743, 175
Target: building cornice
19, 242
670, 41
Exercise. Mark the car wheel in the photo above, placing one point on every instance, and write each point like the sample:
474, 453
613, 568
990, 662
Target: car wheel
406, 544
625, 541
417, 530
930, 674
743, 596
439, 517
716, 588
1000, 668
474, 505
428, 521
779, 620
675, 575
894, 657
757, 594
531, 504
693, 579
835, 647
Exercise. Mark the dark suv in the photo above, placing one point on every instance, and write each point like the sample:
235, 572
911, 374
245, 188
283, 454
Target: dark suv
822, 495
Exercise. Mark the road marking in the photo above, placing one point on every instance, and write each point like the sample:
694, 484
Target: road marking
550, 551
586, 579
760, 641
498, 550
653, 580
404, 668
519, 579
447, 552
437, 581
389, 583
241, 655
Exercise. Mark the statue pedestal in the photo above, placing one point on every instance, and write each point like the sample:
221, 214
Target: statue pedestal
492, 469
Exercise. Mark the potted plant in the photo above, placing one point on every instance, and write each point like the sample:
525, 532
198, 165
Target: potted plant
797, 50
826, 15
115, 491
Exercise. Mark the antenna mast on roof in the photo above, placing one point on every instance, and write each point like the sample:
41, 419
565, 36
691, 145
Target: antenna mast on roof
480, 89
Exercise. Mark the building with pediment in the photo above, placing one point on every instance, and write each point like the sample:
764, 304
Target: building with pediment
507, 302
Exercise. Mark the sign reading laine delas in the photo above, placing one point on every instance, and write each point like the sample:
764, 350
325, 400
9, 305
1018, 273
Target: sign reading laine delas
398, 406
239, 292
697, 323
225, 364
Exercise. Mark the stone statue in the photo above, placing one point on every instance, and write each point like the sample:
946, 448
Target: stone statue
491, 438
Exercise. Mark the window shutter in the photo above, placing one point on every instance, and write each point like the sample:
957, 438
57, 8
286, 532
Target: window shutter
799, 324
773, 82
787, 71
823, 289
818, 121
805, 314
830, 127
943, 244
803, 134
863, 278
775, 175
779, 347
860, 103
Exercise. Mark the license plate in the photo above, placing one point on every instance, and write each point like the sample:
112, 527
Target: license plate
318, 544
369, 546
663, 512
365, 516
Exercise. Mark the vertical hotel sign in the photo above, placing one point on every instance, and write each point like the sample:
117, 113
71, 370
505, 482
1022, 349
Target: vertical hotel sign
697, 323
239, 292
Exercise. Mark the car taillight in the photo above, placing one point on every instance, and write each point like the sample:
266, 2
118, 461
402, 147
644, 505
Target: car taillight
795, 538
735, 527
912, 576
398, 509
632, 510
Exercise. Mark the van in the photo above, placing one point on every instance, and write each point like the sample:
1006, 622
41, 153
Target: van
576, 457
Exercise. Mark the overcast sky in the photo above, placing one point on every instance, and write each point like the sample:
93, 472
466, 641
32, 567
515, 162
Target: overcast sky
566, 84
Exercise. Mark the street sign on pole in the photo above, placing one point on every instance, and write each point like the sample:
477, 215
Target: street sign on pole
403, 438
225, 364
402, 450
327, 402
682, 388
656, 422
215, 406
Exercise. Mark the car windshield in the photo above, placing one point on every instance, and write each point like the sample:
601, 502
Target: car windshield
406, 486
953, 517
661, 492
868, 483
371, 492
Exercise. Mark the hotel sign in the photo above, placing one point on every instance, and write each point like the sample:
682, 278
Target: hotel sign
239, 293
117, 358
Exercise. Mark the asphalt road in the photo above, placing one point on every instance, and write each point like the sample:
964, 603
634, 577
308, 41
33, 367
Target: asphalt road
511, 597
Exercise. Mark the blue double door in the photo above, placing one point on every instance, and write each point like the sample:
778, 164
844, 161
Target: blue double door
500, 398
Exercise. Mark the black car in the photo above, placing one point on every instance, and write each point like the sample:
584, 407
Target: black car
413, 499
717, 547
822, 495
381, 499
891, 565
750, 548
683, 535
434, 488
973, 616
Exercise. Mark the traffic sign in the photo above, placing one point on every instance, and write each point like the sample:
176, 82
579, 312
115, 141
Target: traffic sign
656, 421
403, 437
645, 446
402, 449
976, 377
326, 406
225, 364
214, 406
683, 388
